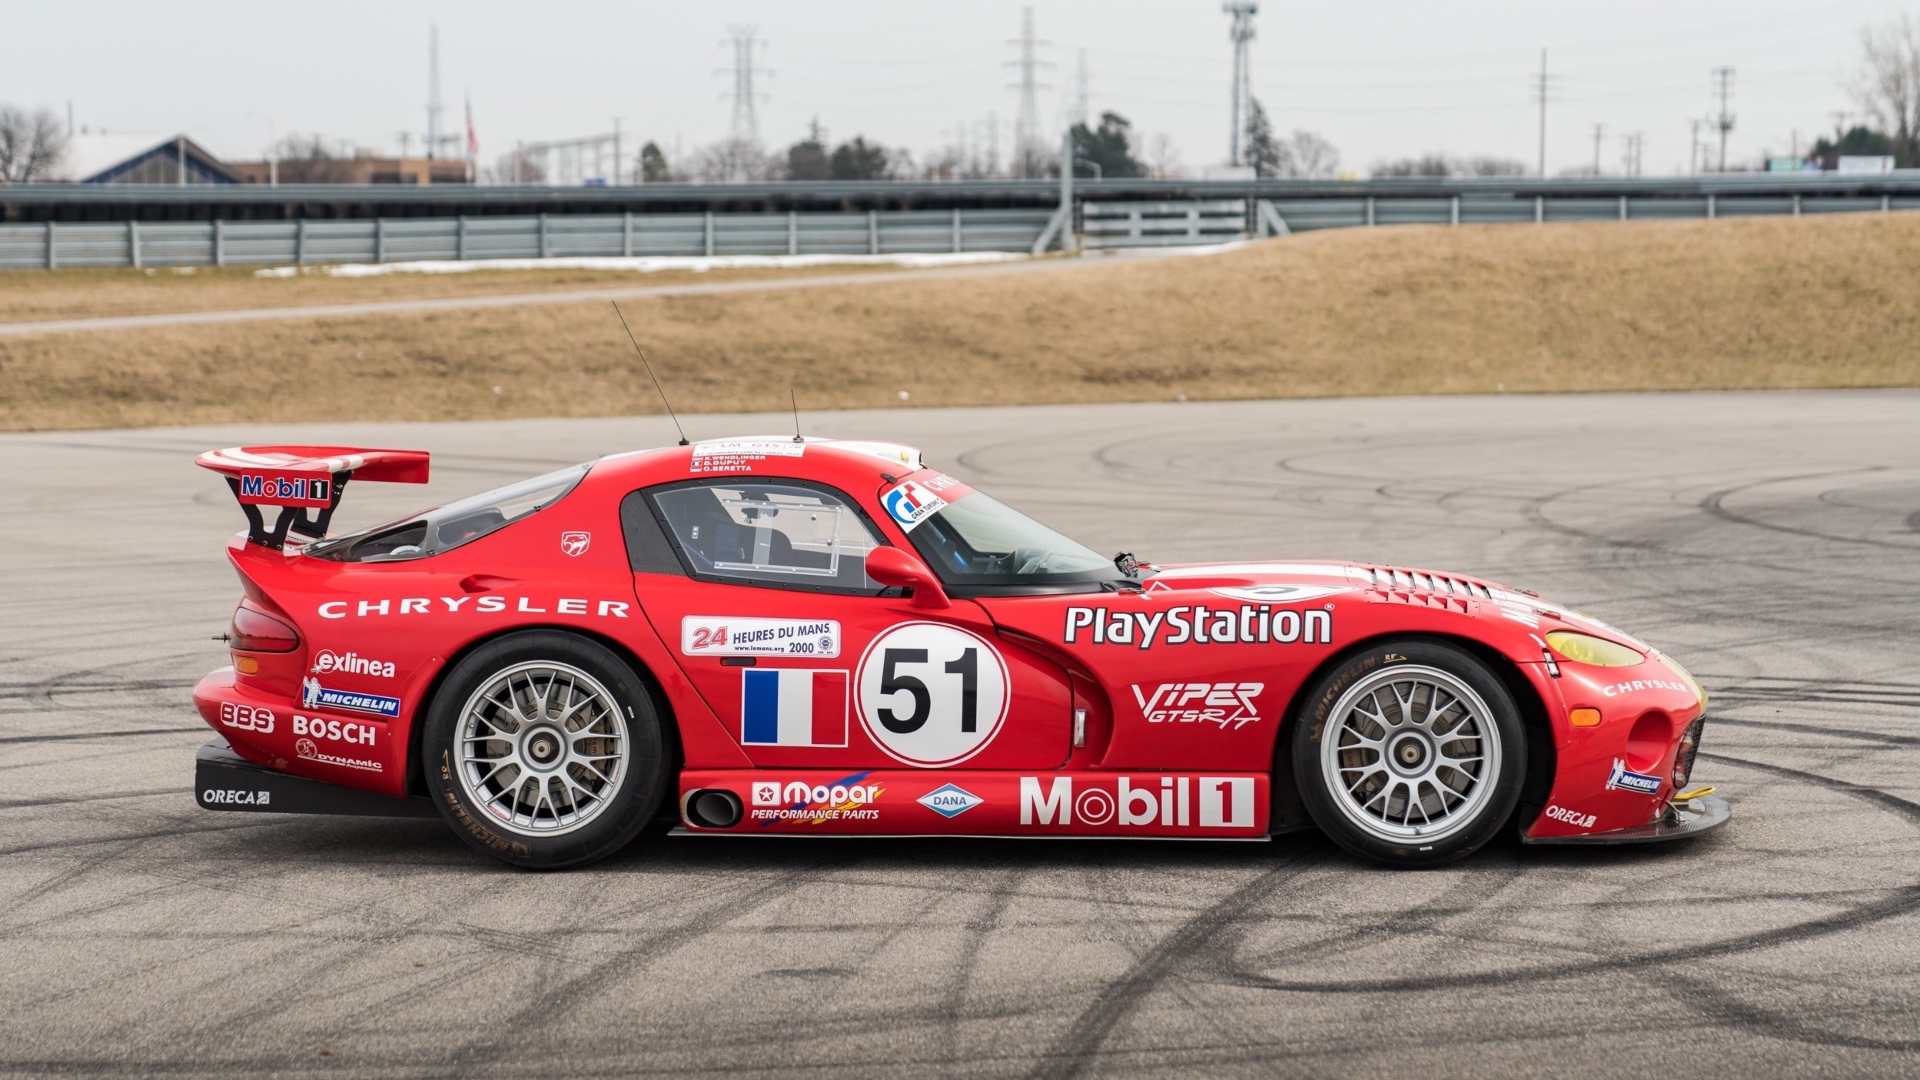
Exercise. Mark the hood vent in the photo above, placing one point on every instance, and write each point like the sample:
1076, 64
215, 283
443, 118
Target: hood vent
1424, 587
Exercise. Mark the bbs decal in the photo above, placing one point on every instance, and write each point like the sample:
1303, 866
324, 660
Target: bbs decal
932, 695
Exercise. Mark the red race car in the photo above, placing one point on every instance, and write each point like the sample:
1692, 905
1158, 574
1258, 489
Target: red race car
829, 637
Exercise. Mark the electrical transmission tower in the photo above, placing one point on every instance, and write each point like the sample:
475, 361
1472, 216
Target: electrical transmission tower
1078, 114
1028, 147
1241, 34
433, 91
1723, 81
745, 128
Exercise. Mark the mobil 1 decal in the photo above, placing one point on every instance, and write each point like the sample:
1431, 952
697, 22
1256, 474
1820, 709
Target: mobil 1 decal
932, 695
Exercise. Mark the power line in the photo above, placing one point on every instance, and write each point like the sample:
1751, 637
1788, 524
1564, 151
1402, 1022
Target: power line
1027, 148
1241, 34
1723, 79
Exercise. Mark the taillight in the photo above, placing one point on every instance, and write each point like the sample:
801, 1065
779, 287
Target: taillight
256, 631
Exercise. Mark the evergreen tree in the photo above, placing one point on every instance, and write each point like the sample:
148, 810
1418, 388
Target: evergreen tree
1263, 151
807, 159
1109, 146
859, 160
653, 164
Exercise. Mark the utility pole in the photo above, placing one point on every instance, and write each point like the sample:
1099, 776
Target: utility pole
433, 92
1598, 131
1541, 89
1723, 77
1241, 34
1027, 144
1079, 113
1693, 147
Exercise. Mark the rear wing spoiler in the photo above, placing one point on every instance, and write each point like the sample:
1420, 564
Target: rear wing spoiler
300, 479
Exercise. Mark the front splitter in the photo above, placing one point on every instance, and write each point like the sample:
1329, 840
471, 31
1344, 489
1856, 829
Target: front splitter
1690, 818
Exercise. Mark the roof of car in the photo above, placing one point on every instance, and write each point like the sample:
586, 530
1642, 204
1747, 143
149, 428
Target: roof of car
762, 453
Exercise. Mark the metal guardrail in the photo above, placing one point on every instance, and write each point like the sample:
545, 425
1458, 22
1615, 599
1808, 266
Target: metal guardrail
242, 243
1103, 224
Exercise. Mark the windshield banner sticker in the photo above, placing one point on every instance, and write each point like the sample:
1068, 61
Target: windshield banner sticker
912, 503
719, 635
741, 455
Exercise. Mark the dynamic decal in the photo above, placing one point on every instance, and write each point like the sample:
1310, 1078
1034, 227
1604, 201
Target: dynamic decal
911, 503
932, 695
949, 800
1571, 817
315, 696
793, 707
1625, 779
350, 663
741, 455
1224, 802
308, 751
1200, 625
1226, 704
574, 544
252, 718
345, 731
1278, 594
719, 635
482, 605
845, 799
1645, 684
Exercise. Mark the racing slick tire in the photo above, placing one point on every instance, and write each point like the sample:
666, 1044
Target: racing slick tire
1411, 753
543, 749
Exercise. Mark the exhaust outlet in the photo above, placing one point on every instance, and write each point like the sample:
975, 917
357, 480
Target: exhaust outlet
713, 808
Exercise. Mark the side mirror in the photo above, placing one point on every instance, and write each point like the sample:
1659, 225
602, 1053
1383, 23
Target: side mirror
893, 567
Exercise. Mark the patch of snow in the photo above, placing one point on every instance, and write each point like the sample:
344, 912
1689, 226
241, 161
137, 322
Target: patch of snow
647, 264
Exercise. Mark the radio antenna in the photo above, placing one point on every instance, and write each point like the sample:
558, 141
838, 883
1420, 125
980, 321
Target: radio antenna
656, 379
796, 414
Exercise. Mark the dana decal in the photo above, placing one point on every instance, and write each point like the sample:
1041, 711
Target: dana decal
315, 696
1201, 625
949, 800
1571, 817
253, 718
345, 731
715, 635
911, 503
1225, 704
1625, 779
845, 799
350, 663
1645, 684
483, 605
1225, 802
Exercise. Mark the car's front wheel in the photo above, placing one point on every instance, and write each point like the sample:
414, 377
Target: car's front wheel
1411, 753
543, 749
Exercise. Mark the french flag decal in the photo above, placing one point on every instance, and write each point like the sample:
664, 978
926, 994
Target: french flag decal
793, 707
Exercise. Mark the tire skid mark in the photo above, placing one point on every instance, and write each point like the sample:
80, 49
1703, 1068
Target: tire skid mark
69, 736
1714, 504
1902, 900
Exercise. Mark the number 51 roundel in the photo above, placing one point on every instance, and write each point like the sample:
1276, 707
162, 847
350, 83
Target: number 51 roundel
932, 695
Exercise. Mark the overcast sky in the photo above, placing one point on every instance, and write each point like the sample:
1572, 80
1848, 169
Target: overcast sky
1380, 80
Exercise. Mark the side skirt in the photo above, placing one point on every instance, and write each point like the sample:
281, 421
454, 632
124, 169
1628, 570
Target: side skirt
223, 780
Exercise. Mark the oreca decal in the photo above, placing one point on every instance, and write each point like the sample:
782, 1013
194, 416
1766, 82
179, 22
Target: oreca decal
932, 695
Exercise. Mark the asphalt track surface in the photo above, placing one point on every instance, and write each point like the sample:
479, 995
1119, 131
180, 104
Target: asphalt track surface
1771, 541
531, 299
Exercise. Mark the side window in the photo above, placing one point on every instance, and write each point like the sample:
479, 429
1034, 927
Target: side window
763, 532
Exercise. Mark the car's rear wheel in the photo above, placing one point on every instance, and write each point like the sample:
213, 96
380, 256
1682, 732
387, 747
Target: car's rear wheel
543, 748
1411, 753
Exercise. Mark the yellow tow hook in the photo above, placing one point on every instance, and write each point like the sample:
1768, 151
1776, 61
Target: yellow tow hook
1688, 796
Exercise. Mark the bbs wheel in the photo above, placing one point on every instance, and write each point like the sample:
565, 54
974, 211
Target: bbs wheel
1411, 753
543, 749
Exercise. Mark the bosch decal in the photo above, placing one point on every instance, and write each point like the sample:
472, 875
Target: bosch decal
346, 731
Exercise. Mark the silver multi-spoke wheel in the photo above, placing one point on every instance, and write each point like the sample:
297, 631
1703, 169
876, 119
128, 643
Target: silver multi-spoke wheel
541, 747
1410, 754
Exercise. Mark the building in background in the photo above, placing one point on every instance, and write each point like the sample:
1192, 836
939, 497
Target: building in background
178, 160
358, 169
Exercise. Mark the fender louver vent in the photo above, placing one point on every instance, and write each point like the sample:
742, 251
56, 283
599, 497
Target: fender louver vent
1398, 585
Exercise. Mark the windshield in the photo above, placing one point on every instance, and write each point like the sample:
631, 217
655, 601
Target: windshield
449, 526
974, 539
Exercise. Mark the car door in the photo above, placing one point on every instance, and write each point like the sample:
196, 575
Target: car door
812, 664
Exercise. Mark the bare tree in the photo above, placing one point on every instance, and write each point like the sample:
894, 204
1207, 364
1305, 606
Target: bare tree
1163, 158
32, 145
307, 159
735, 161
1888, 83
1308, 156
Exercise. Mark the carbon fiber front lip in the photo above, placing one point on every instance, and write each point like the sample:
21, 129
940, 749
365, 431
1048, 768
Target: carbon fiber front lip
1690, 818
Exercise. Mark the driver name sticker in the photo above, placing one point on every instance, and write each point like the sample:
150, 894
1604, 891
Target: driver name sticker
722, 635
911, 503
741, 455
932, 695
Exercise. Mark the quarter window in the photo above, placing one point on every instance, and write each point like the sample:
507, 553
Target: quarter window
768, 533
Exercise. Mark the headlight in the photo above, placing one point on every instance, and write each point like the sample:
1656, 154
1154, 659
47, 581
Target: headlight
1698, 690
1587, 649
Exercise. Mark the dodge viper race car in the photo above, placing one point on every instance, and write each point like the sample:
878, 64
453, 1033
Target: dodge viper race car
828, 637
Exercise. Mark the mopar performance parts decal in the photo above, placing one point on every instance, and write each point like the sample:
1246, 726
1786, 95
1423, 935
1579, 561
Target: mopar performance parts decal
1201, 625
